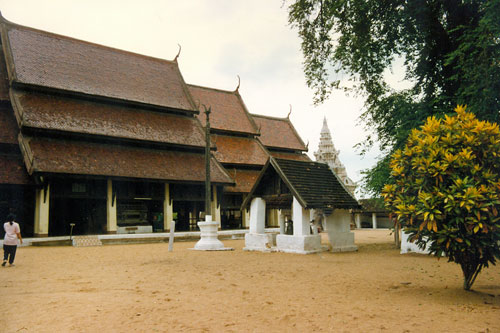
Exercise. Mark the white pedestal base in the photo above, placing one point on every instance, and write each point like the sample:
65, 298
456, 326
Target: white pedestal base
342, 241
208, 237
298, 244
258, 242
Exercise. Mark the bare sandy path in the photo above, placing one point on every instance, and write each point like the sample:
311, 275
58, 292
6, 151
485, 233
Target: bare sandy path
145, 288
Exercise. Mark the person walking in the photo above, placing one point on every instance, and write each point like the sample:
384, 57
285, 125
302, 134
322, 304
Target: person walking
12, 233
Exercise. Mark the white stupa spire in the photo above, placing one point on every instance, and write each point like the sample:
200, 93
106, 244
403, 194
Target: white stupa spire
327, 153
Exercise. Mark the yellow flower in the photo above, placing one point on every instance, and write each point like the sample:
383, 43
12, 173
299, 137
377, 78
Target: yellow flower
460, 108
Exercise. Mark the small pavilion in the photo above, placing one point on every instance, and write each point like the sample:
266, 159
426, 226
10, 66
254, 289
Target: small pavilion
302, 191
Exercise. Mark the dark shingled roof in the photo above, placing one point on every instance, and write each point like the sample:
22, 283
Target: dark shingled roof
228, 110
238, 150
78, 116
313, 184
43, 59
245, 179
83, 158
278, 133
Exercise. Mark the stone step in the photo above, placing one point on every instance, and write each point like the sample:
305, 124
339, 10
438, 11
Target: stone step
81, 241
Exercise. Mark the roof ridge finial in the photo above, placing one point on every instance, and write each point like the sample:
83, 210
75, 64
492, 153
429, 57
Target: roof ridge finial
239, 81
178, 53
289, 113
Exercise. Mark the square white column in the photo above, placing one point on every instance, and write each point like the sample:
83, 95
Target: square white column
300, 219
42, 212
257, 216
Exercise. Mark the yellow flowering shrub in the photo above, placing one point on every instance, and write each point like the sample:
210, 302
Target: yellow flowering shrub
446, 190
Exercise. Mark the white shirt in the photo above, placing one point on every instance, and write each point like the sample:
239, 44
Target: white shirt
11, 232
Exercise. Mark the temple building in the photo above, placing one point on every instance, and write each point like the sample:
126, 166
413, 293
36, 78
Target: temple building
111, 141
101, 138
327, 153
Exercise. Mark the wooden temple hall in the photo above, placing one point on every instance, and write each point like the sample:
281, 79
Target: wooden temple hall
113, 142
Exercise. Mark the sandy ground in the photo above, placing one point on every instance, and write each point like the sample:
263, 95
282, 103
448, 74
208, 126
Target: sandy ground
145, 288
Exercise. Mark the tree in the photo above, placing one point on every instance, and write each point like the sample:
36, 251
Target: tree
446, 190
450, 50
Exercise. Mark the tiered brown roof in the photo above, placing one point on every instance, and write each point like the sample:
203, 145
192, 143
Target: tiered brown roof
45, 155
239, 150
13, 170
8, 125
245, 179
46, 60
228, 110
43, 111
290, 156
278, 133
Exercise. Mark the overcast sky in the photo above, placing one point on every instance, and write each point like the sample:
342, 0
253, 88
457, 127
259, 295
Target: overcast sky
220, 39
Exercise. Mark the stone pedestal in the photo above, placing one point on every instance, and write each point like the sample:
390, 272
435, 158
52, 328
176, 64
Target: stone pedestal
208, 237
298, 244
339, 231
342, 241
258, 242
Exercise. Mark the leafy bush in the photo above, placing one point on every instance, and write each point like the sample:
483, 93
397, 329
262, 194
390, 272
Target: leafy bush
446, 188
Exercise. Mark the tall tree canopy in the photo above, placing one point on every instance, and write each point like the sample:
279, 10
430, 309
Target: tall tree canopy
450, 51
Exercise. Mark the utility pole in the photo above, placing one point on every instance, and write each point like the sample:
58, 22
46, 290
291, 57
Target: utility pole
207, 163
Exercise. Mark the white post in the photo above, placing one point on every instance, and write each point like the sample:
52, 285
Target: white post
257, 216
357, 220
111, 220
42, 212
300, 217
171, 237
281, 219
374, 220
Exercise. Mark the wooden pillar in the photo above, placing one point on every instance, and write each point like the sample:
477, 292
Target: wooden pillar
168, 212
215, 207
42, 207
111, 219
245, 218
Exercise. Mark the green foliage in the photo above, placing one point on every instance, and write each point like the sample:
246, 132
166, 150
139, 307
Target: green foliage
450, 49
446, 190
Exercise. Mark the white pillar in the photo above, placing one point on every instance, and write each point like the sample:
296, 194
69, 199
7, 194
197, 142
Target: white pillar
215, 208
168, 213
339, 232
374, 220
281, 219
42, 212
300, 217
357, 220
111, 220
257, 216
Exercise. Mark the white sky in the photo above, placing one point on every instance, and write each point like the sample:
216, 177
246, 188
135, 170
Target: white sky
220, 39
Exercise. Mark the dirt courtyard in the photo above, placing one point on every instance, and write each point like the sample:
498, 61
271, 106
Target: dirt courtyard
145, 288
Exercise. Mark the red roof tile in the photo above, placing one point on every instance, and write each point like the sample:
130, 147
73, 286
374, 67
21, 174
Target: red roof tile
8, 125
48, 60
74, 115
278, 133
238, 150
290, 156
245, 179
228, 111
70, 157
13, 170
